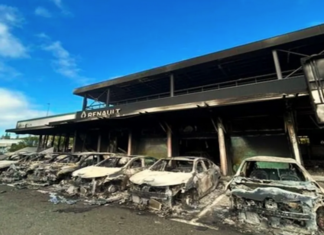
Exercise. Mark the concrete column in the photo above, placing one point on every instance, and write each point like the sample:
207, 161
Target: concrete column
99, 143
74, 141
53, 139
290, 128
277, 64
40, 140
85, 103
222, 147
59, 143
169, 141
129, 148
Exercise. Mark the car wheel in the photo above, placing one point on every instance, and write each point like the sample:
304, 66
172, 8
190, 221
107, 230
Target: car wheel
190, 200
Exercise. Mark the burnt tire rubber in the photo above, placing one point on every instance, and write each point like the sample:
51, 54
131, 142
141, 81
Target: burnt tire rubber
190, 200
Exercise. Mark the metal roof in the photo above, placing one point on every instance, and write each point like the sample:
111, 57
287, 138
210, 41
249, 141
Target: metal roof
250, 60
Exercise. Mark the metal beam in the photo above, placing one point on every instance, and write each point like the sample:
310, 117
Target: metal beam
222, 148
277, 64
171, 85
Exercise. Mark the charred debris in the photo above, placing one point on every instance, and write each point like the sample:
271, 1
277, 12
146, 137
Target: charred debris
277, 193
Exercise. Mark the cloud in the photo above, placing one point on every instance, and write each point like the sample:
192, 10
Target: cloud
10, 16
63, 63
59, 4
16, 106
41, 11
10, 46
7, 72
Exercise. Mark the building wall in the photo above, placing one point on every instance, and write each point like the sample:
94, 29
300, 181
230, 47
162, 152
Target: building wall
241, 147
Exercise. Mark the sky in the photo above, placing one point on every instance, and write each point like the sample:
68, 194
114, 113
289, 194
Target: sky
50, 47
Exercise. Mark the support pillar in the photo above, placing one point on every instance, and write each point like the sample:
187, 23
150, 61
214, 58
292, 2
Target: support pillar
222, 147
53, 140
277, 64
169, 141
85, 103
66, 142
40, 140
74, 141
59, 143
290, 128
129, 149
99, 143
171, 85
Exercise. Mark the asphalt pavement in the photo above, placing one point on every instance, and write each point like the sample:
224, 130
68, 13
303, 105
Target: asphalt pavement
28, 212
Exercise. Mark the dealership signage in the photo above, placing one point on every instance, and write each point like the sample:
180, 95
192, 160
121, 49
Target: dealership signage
107, 113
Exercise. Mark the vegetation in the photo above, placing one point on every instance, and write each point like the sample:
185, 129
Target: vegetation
31, 141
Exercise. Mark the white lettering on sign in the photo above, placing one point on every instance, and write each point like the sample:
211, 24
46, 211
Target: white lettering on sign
104, 113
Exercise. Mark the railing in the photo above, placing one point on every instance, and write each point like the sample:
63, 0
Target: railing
215, 86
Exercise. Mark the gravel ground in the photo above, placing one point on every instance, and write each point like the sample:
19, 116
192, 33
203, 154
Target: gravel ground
28, 212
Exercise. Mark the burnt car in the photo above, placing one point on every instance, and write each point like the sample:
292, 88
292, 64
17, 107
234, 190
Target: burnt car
25, 166
170, 181
278, 191
13, 159
110, 175
62, 168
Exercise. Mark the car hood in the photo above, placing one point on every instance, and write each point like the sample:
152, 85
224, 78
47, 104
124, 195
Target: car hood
160, 178
6, 163
95, 172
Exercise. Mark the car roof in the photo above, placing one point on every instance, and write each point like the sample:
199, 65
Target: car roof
271, 159
186, 158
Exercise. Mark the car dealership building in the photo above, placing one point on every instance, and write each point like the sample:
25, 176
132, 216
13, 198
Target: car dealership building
263, 98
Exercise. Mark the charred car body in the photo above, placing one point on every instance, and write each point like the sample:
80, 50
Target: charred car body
279, 191
27, 165
62, 168
13, 159
172, 180
110, 175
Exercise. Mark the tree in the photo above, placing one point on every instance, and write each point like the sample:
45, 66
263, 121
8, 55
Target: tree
16, 147
6, 136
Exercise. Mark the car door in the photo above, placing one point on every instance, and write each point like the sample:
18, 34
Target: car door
203, 179
213, 172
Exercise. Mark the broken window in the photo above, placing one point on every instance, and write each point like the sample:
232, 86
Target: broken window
173, 165
148, 161
200, 167
274, 171
136, 163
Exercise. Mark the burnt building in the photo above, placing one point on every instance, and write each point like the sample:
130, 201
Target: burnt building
263, 98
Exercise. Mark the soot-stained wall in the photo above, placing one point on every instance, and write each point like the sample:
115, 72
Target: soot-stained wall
241, 147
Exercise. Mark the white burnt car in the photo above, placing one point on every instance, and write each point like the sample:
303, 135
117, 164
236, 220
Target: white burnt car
172, 180
279, 191
62, 168
110, 175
